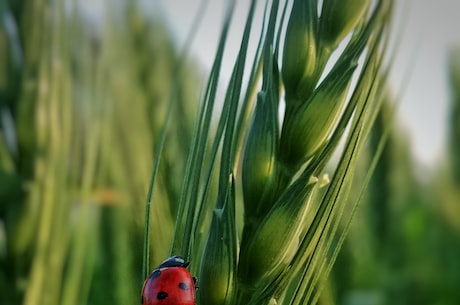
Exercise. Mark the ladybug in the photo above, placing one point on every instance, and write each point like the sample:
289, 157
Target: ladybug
169, 284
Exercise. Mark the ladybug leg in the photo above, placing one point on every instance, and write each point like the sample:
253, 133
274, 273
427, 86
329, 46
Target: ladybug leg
194, 282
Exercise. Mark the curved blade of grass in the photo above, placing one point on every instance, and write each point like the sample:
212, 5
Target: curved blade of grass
195, 160
234, 92
162, 138
242, 118
248, 101
227, 123
280, 29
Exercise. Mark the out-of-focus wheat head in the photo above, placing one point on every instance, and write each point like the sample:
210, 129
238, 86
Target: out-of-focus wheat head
82, 100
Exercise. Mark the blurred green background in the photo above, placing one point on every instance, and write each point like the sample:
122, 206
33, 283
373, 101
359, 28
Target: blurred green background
82, 103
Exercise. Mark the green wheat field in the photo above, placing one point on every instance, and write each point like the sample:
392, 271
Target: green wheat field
290, 183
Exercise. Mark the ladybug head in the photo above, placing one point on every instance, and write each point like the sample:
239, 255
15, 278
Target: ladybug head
174, 261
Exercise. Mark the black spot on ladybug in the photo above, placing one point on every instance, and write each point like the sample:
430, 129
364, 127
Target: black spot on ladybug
162, 295
183, 286
155, 274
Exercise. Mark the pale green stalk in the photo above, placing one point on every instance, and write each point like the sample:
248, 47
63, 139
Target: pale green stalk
454, 72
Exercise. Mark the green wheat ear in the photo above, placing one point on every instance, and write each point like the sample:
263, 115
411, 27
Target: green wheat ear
271, 232
299, 68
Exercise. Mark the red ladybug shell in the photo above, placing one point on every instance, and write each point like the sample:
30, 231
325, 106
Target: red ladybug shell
169, 286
